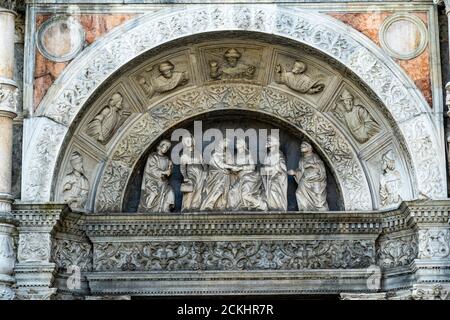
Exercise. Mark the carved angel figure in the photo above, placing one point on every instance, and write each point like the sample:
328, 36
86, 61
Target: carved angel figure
246, 192
390, 181
217, 184
165, 81
311, 178
108, 120
274, 175
358, 120
298, 80
156, 193
75, 183
194, 175
232, 68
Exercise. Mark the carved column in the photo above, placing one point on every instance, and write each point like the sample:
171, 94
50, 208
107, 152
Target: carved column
8, 104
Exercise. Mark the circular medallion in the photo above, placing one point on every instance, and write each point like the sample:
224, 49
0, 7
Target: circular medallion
403, 36
60, 38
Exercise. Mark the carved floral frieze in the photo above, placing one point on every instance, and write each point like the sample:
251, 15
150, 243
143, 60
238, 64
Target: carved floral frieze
397, 252
67, 253
233, 255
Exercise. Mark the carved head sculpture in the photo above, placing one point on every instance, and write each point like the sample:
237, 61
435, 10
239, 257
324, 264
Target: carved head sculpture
388, 161
299, 67
188, 142
116, 100
272, 142
163, 147
76, 161
347, 100
306, 147
166, 69
232, 56
241, 145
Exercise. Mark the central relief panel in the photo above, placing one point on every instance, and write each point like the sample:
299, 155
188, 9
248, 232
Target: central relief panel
233, 126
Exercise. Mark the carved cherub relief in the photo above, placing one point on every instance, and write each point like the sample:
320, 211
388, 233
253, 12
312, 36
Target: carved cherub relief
75, 183
106, 122
231, 67
358, 120
163, 79
298, 80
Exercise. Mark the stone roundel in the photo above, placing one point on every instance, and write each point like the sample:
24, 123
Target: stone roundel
94, 65
148, 128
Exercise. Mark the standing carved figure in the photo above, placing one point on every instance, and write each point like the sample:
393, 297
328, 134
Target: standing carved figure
217, 183
311, 178
194, 174
75, 184
298, 80
232, 68
274, 175
167, 80
157, 194
358, 120
108, 120
246, 193
390, 181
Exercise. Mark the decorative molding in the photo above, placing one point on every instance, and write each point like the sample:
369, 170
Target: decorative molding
233, 255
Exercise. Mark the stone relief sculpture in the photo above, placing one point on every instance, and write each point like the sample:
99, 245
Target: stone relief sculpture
75, 184
165, 81
390, 181
108, 120
274, 175
356, 117
194, 174
217, 183
246, 192
231, 68
156, 193
298, 80
311, 178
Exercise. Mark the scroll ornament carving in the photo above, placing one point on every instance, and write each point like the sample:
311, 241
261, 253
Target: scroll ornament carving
311, 178
66, 253
298, 80
434, 243
390, 181
103, 126
75, 183
397, 252
358, 120
164, 81
239, 255
231, 67
34, 247
145, 130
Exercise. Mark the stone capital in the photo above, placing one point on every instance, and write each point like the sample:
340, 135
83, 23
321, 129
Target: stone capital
8, 6
8, 98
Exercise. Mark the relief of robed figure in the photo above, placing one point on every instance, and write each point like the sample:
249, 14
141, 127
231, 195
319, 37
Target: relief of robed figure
298, 80
311, 178
194, 174
156, 193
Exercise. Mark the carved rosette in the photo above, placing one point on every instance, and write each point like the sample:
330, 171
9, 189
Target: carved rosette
145, 130
68, 95
233, 255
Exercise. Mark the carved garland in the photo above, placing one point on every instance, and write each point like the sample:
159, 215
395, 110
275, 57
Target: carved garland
69, 94
144, 131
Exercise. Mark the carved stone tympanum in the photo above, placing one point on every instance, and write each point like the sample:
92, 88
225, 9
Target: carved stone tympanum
164, 79
75, 184
298, 80
356, 117
231, 67
311, 178
157, 195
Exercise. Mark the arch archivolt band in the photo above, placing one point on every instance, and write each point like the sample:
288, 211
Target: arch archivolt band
68, 95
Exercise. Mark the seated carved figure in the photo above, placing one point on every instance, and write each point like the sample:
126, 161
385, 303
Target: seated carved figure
246, 192
298, 80
167, 80
108, 120
311, 178
156, 193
